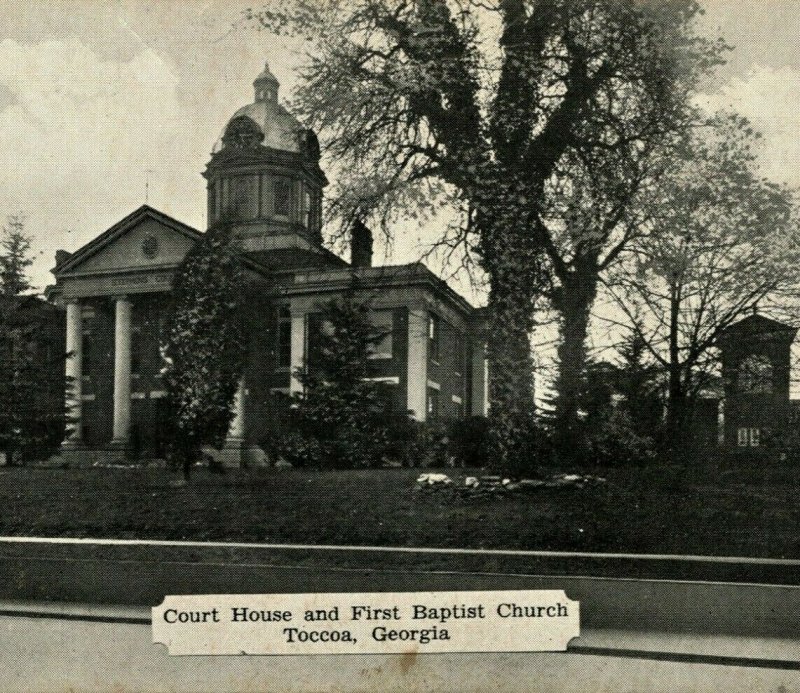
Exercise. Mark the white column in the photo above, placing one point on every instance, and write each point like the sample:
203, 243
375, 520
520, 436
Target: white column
122, 370
480, 380
236, 429
418, 363
74, 373
233, 452
298, 357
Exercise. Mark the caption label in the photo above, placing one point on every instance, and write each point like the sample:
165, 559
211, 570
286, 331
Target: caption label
367, 623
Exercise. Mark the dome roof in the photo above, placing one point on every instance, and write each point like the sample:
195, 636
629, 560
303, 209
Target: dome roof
280, 128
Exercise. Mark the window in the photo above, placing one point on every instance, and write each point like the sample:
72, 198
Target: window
212, 202
755, 375
283, 348
459, 354
281, 197
245, 197
87, 353
383, 322
317, 328
748, 437
314, 212
433, 337
742, 437
225, 194
433, 402
387, 395
136, 352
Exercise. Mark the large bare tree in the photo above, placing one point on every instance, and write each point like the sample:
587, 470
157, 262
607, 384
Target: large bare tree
723, 241
477, 103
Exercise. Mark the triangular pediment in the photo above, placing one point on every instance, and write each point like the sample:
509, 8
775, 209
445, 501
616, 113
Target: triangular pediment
145, 239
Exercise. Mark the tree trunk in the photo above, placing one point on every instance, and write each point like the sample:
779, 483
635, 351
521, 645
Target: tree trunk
513, 290
676, 398
574, 301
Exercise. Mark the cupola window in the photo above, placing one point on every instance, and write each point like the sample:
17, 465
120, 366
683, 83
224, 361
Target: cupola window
245, 197
281, 197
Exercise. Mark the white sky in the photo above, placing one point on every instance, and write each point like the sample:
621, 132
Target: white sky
93, 94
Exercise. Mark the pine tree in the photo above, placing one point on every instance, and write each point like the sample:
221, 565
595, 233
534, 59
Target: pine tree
33, 408
15, 259
641, 384
205, 347
341, 413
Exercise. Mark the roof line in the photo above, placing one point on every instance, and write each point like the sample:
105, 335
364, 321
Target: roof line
426, 274
99, 242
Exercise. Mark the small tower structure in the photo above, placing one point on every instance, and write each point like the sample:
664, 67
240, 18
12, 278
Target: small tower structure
264, 173
755, 368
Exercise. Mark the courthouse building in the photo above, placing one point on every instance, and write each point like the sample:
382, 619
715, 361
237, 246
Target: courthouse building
265, 170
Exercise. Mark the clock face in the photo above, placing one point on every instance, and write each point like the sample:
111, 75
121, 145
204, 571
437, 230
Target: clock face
150, 246
243, 133
755, 375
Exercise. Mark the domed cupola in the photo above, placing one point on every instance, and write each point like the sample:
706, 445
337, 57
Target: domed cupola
264, 173
266, 86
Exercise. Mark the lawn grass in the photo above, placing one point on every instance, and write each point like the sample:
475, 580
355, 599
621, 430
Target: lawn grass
673, 510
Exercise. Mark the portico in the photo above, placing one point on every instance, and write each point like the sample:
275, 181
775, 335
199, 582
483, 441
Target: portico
116, 291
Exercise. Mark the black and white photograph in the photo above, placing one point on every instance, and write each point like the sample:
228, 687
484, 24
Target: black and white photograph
400, 345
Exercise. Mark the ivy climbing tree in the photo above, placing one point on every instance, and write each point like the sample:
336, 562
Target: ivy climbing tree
205, 346
477, 106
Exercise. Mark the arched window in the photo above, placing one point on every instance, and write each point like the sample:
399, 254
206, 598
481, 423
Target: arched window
755, 375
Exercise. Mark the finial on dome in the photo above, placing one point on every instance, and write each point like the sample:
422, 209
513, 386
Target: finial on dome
266, 85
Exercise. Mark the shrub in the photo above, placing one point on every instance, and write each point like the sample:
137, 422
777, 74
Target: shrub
430, 445
469, 441
615, 441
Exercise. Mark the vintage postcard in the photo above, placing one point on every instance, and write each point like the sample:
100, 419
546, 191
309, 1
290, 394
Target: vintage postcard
426, 345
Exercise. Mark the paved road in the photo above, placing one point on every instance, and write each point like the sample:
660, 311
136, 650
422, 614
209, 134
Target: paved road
639, 635
91, 648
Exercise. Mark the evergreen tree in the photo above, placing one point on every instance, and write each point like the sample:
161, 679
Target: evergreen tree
33, 412
205, 347
33, 409
614, 404
341, 414
15, 259
641, 384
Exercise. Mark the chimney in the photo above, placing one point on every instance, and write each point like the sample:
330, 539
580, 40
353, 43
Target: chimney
360, 245
62, 256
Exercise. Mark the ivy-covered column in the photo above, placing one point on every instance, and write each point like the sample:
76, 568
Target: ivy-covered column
74, 373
